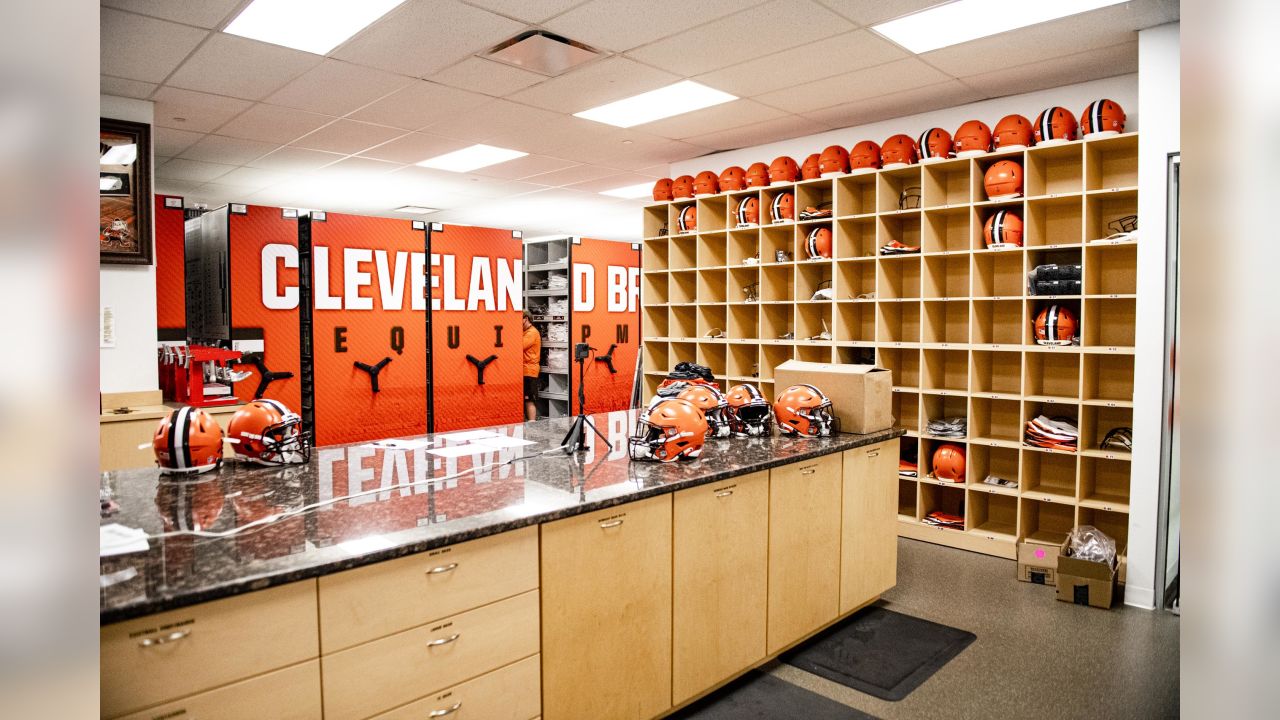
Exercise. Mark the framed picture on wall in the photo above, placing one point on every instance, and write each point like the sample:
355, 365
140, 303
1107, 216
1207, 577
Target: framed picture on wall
124, 192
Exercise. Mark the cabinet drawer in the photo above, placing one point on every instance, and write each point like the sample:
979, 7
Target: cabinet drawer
377, 600
181, 652
375, 676
289, 694
509, 693
869, 529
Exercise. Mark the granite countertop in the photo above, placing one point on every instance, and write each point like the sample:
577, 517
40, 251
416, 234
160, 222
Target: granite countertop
407, 512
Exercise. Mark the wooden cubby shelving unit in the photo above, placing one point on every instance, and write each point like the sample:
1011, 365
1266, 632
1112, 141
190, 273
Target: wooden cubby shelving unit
953, 323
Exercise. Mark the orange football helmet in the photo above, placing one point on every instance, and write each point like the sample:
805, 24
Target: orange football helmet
864, 157
899, 150
1102, 117
809, 168
668, 430
758, 175
818, 243
1003, 230
1055, 325
187, 440
688, 219
707, 183
783, 208
682, 187
662, 190
711, 402
733, 178
804, 410
973, 138
268, 433
1054, 125
750, 414
1013, 131
935, 145
833, 161
748, 211
783, 170
1003, 180
949, 462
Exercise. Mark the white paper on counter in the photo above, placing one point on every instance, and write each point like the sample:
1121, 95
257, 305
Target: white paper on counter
117, 539
459, 450
502, 441
400, 444
465, 436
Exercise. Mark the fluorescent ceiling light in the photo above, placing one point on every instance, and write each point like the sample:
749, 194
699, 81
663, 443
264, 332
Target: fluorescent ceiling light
119, 155
417, 210
314, 26
682, 97
107, 183
472, 158
964, 20
630, 192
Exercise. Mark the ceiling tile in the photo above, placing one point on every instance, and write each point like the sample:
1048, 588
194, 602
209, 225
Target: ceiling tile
240, 67
759, 134
201, 112
764, 29
910, 102
1091, 65
867, 12
572, 175
823, 58
523, 167
336, 88
347, 136
729, 115
858, 85
414, 147
202, 13
270, 123
254, 177
530, 11
171, 142
221, 193
620, 25
233, 151
419, 105
142, 48
424, 36
502, 118
192, 170
125, 88
488, 77
291, 159
595, 84
357, 167
185, 188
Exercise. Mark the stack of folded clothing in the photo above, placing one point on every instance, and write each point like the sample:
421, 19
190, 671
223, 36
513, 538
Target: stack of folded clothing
1000, 482
1052, 433
557, 282
893, 247
952, 427
908, 468
558, 306
557, 333
946, 520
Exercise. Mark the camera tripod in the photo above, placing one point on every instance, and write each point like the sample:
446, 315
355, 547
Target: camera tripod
575, 439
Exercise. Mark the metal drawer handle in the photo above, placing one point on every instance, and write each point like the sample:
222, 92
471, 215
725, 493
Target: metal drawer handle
724, 493
808, 471
444, 641
442, 569
606, 524
163, 639
446, 711
873, 453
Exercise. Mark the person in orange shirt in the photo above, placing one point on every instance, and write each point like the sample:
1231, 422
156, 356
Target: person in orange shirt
532, 355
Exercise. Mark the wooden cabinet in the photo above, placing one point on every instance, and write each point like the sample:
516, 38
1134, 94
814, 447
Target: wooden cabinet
181, 652
720, 570
868, 537
508, 693
804, 549
377, 600
606, 613
409, 665
289, 694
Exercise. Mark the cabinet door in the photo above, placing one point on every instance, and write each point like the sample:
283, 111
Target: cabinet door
289, 694
804, 548
869, 537
721, 556
606, 613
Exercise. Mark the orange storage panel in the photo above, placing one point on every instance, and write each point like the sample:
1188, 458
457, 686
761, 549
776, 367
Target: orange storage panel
606, 314
171, 274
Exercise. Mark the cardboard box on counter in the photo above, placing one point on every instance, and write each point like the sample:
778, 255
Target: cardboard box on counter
1084, 582
1038, 562
862, 395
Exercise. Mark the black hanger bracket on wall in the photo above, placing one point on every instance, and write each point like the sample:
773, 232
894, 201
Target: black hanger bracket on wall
480, 366
373, 370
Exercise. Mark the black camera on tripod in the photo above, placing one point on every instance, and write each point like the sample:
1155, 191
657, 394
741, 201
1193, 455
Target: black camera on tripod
581, 352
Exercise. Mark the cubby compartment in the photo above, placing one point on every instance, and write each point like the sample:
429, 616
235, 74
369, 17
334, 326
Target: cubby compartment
656, 255
996, 373
928, 448
683, 352
742, 245
775, 322
997, 322
741, 360
934, 406
655, 222
946, 370
946, 183
712, 321
655, 321
999, 420
813, 321
713, 213
657, 356
983, 163
775, 240
1109, 323
1111, 163
1052, 376
855, 195
801, 250
743, 322
946, 276
1109, 212
1053, 221
1104, 484
903, 365
772, 356
993, 516
711, 250
683, 252
684, 321
683, 287
855, 322
711, 286
986, 461
712, 355
675, 210
1108, 379
742, 285
907, 499
938, 498
776, 284
899, 278
998, 274
898, 322
655, 288
946, 322
896, 188
816, 194
1111, 270
906, 412
1037, 305
814, 353
860, 354
904, 229
1054, 170
1054, 410
812, 277
769, 205
1049, 476
1112, 523
1046, 522
855, 238
1015, 211
855, 279
947, 230
1063, 257
1098, 420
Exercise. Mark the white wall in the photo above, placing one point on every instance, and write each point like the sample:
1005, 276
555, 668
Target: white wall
130, 290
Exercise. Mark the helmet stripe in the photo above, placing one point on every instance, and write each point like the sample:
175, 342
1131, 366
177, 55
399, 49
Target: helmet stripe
173, 435
997, 228
1097, 115
777, 200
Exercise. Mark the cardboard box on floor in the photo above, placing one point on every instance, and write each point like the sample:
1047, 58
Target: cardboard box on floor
862, 395
1083, 582
1038, 562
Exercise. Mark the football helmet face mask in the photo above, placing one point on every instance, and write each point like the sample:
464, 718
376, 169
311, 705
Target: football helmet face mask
783, 208
972, 138
833, 161
1102, 117
949, 462
267, 432
733, 178
688, 219
898, 151
935, 145
804, 410
668, 430
1003, 230
711, 402
1054, 125
783, 170
707, 183
682, 187
864, 157
818, 243
758, 175
909, 198
750, 414
748, 211
1055, 325
187, 441
662, 190
809, 169
1013, 131
1003, 180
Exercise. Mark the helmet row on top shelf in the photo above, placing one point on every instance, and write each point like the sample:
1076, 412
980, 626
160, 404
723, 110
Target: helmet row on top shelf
1052, 126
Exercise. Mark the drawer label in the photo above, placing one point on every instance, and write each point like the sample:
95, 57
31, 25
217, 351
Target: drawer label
163, 628
445, 695
440, 551
442, 626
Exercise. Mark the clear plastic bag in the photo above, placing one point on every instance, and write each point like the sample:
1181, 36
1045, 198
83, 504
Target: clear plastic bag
1089, 543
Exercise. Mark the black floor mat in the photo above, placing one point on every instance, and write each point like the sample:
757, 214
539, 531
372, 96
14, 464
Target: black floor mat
880, 652
760, 696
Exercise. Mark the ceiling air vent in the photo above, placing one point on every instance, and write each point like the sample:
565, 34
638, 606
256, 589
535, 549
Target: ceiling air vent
542, 52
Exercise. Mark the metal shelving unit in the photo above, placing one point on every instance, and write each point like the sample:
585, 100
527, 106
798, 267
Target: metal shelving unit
546, 259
